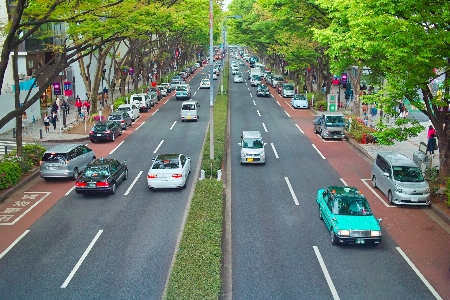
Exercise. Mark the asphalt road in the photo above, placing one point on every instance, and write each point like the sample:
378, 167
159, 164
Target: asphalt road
111, 246
280, 248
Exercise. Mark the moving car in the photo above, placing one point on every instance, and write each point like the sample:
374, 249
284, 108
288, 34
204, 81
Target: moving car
330, 125
183, 91
252, 148
214, 76
102, 176
234, 70
205, 83
347, 215
399, 179
105, 131
262, 91
287, 90
169, 171
131, 109
189, 111
65, 161
122, 118
238, 78
299, 101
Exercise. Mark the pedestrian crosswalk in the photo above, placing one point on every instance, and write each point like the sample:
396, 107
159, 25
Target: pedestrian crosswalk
6, 146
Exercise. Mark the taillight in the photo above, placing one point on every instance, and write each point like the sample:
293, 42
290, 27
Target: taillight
102, 184
80, 184
177, 175
108, 131
40, 162
152, 176
123, 121
91, 132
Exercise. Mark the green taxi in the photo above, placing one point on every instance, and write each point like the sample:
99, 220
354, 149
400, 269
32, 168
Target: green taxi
347, 215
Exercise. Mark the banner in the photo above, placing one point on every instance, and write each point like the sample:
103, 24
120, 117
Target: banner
56, 88
68, 88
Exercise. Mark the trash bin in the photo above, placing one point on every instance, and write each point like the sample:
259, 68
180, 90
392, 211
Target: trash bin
421, 159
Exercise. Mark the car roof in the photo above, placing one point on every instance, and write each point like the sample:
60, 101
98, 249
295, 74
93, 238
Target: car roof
346, 192
62, 148
397, 159
125, 105
120, 113
251, 134
100, 162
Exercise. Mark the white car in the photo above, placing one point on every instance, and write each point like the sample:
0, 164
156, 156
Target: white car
169, 171
238, 78
234, 70
162, 89
214, 76
167, 86
205, 83
131, 109
299, 101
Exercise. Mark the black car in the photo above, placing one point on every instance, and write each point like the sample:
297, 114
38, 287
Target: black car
105, 131
101, 176
262, 90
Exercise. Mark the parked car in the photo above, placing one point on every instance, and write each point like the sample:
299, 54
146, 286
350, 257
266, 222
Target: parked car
102, 176
153, 98
238, 78
347, 215
122, 118
276, 79
65, 161
167, 86
142, 101
131, 109
169, 171
299, 101
262, 91
105, 131
156, 91
279, 86
268, 79
287, 90
183, 91
330, 125
162, 90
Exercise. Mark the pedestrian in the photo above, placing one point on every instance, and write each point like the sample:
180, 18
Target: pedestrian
54, 107
24, 121
87, 106
66, 106
366, 120
373, 112
58, 102
46, 123
364, 109
78, 104
54, 119
431, 131
431, 145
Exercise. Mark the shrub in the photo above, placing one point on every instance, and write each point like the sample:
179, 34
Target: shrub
10, 173
320, 105
31, 156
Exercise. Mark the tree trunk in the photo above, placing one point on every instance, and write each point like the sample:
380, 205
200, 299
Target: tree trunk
354, 75
19, 126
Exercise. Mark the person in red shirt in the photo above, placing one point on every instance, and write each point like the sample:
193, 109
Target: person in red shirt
87, 106
78, 104
431, 131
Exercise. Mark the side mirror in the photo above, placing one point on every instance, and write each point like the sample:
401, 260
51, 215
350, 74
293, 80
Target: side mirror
240, 144
153, 159
198, 105
379, 220
386, 174
265, 144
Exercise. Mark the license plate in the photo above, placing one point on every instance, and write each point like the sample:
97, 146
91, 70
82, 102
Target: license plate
91, 185
360, 241
99, 134
52, 168
249, 159
415, 199
189, 117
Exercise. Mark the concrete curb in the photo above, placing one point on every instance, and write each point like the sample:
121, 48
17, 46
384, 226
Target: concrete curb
19, 185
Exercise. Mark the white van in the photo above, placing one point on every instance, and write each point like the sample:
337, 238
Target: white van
142, 101
252, 148
189, 111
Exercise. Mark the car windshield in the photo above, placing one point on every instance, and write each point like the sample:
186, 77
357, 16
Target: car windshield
96, 172
351, 207
278, 78
336, 121
171, 163
175, 82
289, 87
252, 143
299, 97
114, 117
182, 88
407, 174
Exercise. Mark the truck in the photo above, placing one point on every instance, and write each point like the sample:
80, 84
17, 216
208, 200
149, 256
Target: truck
255, 76
330, 125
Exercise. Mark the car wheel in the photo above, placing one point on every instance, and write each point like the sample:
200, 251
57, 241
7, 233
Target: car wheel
126, 175
374, 182
113, 137
390, 198
334, 240
75, 174
321, 134
113, 188
120, 131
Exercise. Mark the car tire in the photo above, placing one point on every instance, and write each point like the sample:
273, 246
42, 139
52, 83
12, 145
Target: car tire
126, 175
321, 134
75, 174
374, 181
390, 198
120, 131
334, 240
113, 188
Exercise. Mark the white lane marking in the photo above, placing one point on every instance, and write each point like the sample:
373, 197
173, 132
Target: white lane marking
140, 126
69, 191
254, 103
278, 103
375, 193
274, 150
251, 95
299, 128
291, 190
289, 105
410, 263
326, 274
343, 181
287, 114
195, 94
14, 243
157, 109
160, 143
82, 258
172, 125
320, 153
112, 151
133, 183
258, 112
264, 125
248, 88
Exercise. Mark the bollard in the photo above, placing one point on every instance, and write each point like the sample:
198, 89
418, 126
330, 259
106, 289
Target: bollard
64, 118
219, 175
14, 132
40, 134
202, 174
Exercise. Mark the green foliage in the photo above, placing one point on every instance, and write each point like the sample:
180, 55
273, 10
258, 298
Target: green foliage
119, 101
31, 156
358, 130
10, 173
196, 273
320, 105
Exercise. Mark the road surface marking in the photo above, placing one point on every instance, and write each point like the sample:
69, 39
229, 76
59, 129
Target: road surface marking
251, 96
258, 112
248, 88
133, 183
13, 208
195, 94
157, 109
375, 193
112, 151
343, 181
289, 105
69, 191
287, 114
172, 125
299, 128
82, 258
291, 190
325, 272
160, 143
274, 150
278, 102
254, 103
264, 125
139, 126
13, 244
410, 263
320, 153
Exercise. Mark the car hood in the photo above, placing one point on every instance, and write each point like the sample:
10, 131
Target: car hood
412, 185
299, 101
357, 222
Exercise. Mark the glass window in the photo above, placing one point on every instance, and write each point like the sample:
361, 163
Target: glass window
252, 143
166, 163
407, 174
97, 172
353, 207
335, 120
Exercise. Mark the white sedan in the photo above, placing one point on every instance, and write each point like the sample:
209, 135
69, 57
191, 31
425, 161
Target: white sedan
131, 109
205, 84
169, 171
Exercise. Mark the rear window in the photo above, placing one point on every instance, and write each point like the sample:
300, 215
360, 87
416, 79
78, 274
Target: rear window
137, 99
100, 127
124, 109
54, 157
181, 88
115, 117
188, 107
96, 172
172, 163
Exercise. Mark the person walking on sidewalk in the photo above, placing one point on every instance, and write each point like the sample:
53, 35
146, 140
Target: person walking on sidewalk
54, 119
78, 104
431, 146
87, 106
46, 123
431, 131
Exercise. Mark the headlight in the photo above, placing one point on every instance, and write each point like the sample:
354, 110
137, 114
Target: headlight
243, 154
375, 233
344, 232
326, 131
398, 190
427, 190
262, 154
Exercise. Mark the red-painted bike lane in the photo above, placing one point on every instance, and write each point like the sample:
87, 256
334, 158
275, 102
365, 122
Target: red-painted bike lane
423, 240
